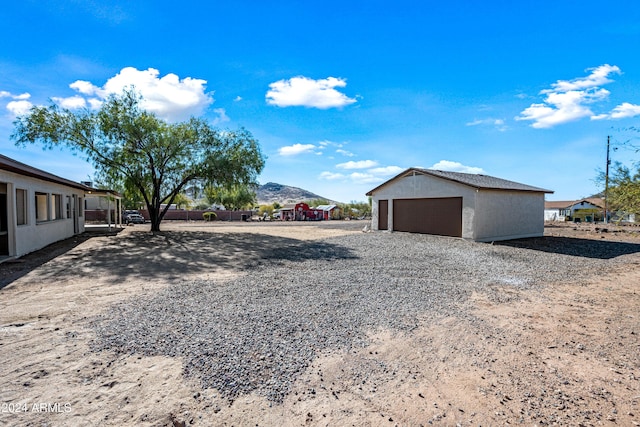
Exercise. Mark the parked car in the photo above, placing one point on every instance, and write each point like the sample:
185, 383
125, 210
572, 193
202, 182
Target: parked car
126, 213
134, 219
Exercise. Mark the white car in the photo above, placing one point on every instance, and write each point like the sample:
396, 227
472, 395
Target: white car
134, 219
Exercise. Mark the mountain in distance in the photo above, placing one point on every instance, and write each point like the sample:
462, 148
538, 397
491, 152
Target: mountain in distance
272, 192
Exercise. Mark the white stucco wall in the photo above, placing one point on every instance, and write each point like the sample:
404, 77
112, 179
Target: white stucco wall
504, 215
421, 186
33, 236
553, 215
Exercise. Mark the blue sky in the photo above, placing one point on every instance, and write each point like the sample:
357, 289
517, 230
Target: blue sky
344, 95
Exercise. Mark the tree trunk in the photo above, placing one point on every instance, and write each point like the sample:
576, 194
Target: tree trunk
155, 225
154, 217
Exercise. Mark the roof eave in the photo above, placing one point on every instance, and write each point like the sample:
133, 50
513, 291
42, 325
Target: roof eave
11, 165
426, 172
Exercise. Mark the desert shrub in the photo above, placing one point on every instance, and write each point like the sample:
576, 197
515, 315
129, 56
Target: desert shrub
209, 216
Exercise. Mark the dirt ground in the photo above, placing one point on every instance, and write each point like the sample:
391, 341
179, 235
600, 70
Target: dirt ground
567, 356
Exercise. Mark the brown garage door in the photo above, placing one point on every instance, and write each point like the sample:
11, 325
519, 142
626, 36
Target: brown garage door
441, 216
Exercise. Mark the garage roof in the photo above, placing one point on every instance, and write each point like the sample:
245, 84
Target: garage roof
478, 181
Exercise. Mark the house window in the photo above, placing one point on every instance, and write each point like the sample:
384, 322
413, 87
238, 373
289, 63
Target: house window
21, 206
42, 207
68, 206
56, 202
81, 206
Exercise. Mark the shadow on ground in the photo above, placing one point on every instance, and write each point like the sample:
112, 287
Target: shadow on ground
174, 254
13, 269
600, 249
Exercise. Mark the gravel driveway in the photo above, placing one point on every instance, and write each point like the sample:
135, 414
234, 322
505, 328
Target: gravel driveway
296, 303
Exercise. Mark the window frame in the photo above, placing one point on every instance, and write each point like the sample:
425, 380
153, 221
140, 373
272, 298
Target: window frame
56, 205
22, 207
40, 200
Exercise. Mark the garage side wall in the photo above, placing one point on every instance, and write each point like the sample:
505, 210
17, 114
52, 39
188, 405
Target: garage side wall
425, 186
504, 215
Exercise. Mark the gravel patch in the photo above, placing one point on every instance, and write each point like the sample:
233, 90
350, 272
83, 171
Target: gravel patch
258, 333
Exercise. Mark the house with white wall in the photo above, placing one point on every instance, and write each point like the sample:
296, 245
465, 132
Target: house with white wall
37, 208
589, 209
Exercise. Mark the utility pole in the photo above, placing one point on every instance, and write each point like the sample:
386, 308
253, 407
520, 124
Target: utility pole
606, 185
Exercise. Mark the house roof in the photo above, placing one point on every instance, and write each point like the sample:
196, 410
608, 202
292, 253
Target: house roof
8, 164
325, 207
15, 166
596, 201
484, 182
558, 204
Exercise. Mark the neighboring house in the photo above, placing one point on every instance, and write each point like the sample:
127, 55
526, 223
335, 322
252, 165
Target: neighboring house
557, 210
36, 208
299, 212
589, 209
328, 211
287, 212
471, 206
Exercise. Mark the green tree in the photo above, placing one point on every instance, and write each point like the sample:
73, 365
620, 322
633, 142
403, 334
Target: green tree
317, 202
238, 196
143, 153
624, 188
359, 209
181, 200
268, 209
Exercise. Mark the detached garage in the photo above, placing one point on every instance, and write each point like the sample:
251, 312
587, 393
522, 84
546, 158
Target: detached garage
471, 206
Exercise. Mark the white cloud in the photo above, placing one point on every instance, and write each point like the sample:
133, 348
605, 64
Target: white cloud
170, 97
95, 103
361, 164
498, 124
568, 100
306, 92
364, 178
372, 175
447, 165
238, 98
84, 87
222, 116
559, 108
622, 111
295, 149
386, 171
19, 104
598, 77
18, 108
345, 152
331, 176
72, 102
325, 143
